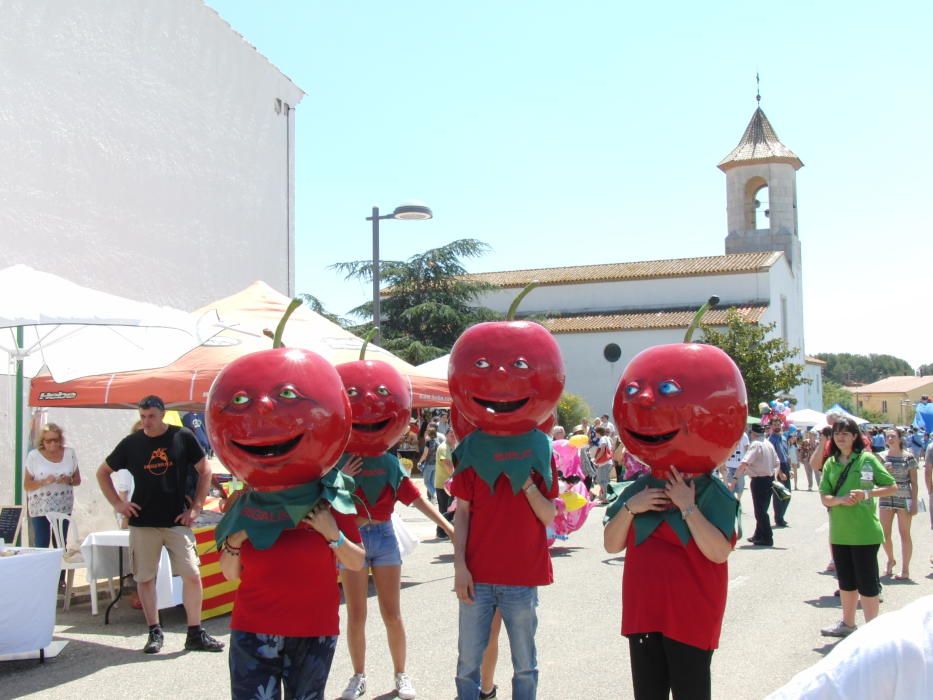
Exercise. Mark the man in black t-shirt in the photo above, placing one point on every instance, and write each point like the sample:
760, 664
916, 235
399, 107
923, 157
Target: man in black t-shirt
160, 458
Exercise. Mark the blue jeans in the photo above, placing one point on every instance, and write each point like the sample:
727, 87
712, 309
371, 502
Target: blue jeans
380, 545
427, 473
260, 664
518, 605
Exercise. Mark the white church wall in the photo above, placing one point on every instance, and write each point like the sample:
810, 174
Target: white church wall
593, 377
148, 152
633, 294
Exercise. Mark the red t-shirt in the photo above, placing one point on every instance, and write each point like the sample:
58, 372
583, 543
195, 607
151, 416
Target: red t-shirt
291, 588
381, 510
672, 589
506, 544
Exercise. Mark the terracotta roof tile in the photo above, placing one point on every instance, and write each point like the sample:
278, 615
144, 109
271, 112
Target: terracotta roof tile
736, 263
760, 143
645, 320
894, 385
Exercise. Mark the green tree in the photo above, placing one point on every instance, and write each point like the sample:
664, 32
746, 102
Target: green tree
925, 370
571, 410
834, 392
427, 302
317, 307
764, 361
847, 368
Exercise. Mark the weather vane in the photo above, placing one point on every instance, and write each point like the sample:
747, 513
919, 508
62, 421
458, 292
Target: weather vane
757, 88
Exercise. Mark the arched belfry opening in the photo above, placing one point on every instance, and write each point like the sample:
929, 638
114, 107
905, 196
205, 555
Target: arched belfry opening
757, 205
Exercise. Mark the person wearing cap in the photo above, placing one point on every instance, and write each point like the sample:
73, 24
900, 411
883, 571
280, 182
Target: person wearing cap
762, 464
160, 457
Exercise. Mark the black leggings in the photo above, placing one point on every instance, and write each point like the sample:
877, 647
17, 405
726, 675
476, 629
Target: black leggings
662, 666
857, 568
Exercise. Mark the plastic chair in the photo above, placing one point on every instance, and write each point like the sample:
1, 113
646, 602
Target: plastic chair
72, 561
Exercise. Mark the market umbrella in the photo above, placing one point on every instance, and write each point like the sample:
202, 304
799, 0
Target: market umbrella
48, 321
436, 367
184, 384
806, 417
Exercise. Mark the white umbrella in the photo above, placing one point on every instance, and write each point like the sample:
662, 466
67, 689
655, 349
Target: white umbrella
76, 331
436, 368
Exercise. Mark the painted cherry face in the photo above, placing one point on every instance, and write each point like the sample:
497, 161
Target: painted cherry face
380, 400
683, 405
506, 377
278, 418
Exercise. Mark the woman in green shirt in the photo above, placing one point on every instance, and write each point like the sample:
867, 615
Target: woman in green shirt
852, 478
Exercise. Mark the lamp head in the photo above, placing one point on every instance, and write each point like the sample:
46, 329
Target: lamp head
413, 212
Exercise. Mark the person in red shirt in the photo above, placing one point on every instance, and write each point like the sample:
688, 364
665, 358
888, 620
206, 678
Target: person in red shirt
286, 607
381, 482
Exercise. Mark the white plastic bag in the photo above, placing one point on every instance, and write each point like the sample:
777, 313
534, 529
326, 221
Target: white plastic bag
406, 540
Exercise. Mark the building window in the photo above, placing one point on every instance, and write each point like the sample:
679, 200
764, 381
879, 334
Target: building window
884, 406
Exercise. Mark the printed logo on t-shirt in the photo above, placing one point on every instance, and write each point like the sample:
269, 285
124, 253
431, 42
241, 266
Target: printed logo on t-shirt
159, 463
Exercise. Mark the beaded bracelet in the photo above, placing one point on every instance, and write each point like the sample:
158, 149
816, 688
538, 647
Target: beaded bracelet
231, 550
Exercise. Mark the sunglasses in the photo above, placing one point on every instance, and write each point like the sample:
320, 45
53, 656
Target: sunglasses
152, 403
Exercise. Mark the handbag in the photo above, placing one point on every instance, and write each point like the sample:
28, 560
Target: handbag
780, 490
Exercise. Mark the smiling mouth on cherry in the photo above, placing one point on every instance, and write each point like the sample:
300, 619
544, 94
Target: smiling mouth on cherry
501, 406
274, 449
653, 439
371, 427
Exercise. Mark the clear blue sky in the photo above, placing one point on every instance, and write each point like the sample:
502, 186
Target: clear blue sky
571, 133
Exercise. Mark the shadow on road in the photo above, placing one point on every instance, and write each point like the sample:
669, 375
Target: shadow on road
826, 648
563, 551
824, 601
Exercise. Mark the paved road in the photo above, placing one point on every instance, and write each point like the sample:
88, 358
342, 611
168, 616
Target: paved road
778, 600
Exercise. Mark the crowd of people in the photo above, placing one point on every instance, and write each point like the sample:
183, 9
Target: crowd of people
849, 467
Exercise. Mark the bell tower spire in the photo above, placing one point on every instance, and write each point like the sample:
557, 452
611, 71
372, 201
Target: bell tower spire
761, 191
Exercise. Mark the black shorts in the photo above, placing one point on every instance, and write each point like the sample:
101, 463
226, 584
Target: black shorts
857, 568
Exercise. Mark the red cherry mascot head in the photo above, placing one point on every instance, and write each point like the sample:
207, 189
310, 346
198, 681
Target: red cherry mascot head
278, 418
380, 400
681, 405
506, 377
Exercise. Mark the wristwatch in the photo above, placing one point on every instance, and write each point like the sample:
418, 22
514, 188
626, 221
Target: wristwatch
687, 512
335, 544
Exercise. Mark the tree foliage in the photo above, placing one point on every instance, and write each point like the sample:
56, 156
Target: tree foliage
847, 369
925, 370
427, 300
571, 410
317, 307
764, 361
833, 393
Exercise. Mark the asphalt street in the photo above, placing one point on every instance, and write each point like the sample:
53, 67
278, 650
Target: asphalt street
778, 600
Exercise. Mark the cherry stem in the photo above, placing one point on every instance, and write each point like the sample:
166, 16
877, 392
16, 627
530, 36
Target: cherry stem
279, 329
369, 336
510, 316
711, 302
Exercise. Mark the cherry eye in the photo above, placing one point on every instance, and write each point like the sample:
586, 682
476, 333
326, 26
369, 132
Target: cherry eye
669, 388
240, 399
631, 389
520, 364
482, 363
288, 393
352, 392
382, 390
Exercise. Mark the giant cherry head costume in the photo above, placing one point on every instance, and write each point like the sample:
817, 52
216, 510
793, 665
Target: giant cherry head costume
380, 401
279, 419
681, 405
506, 377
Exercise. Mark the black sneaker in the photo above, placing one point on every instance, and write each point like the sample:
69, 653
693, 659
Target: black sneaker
202, 641
154, 643
490, 694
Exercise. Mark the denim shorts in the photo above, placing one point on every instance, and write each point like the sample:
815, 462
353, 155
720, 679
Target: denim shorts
380, 544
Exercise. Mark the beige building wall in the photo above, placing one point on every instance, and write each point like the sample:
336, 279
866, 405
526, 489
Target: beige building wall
896, 406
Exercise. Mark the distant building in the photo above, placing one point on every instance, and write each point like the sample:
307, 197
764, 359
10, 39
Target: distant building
895, 398
603, 315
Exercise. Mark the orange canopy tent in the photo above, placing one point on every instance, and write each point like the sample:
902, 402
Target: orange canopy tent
184, 384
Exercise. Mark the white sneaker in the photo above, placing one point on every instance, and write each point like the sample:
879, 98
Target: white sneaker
840, 629
403, 687
356, 687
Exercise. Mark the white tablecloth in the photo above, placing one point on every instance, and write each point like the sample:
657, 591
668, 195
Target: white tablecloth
28, 597
97, 550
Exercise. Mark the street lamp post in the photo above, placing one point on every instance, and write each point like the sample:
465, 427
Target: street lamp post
415, 212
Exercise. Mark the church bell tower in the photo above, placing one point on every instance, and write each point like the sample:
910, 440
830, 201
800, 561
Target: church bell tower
761, 193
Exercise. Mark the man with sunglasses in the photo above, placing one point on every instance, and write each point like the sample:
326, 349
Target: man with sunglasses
160, 457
